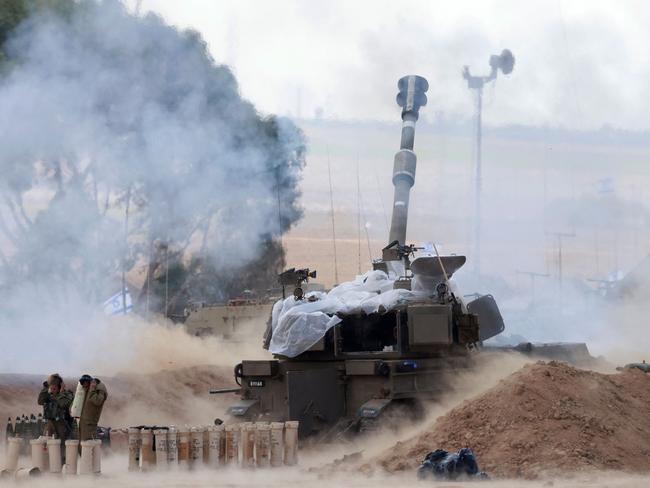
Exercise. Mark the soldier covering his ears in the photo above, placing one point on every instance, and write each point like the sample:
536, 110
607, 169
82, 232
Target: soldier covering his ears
56, 401
95, 396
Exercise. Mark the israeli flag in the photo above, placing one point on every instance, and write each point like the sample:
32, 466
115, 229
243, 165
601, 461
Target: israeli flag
119, 304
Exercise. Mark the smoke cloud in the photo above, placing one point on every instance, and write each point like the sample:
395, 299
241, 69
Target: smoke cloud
106, 114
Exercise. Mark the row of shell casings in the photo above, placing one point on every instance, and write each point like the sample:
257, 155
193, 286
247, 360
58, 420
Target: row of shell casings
246, 444
26, 428
46, 456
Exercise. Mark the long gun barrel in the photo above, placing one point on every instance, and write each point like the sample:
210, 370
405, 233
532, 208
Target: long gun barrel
218, 391
411, 97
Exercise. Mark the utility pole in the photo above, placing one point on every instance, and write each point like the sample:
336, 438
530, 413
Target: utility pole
533, 275
560, 236
505, 62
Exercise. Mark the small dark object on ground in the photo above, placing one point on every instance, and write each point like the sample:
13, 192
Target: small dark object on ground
443, 465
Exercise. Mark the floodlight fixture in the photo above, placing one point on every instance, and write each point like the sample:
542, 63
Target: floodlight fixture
506, 63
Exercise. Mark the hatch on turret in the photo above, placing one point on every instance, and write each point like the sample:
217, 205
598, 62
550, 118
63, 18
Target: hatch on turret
489, 316
430, 265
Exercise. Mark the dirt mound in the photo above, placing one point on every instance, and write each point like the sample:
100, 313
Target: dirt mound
545, 419
176, 396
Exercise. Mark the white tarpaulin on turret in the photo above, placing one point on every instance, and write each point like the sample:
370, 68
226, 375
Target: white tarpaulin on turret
299, 324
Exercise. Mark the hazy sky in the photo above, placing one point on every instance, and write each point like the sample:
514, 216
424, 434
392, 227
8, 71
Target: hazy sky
580, 64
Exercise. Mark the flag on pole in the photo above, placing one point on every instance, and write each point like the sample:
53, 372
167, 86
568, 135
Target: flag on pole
119, 304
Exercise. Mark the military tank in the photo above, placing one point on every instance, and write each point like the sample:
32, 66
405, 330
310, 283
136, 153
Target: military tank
379, 346
228, 320
225, 320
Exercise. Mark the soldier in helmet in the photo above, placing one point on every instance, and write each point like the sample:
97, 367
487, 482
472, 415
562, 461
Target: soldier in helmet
95, 397
56, 401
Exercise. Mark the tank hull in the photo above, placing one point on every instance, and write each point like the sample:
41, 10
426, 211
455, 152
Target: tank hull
322, 395
224, 320
330, 397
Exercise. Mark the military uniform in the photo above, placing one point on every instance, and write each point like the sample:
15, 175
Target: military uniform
56, 413
91, 411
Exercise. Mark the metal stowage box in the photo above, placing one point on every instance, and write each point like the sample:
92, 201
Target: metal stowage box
361, 367
429, 324
260, 368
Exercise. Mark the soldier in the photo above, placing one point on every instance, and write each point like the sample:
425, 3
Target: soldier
56, 401
96, 395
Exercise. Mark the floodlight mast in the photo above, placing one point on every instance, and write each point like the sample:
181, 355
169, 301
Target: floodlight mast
504, 62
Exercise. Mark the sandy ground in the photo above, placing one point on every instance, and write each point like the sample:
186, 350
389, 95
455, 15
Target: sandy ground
115, 475
546, 419
149, 388
192, 381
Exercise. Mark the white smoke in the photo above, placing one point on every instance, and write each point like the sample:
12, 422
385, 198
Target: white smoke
101, 110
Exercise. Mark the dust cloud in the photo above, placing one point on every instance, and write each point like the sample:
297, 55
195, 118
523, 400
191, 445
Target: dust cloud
155, 372
136, 345
489, 370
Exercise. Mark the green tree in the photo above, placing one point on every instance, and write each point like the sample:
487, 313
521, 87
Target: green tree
13, 12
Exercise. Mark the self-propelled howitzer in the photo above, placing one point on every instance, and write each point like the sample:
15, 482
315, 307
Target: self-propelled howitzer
385, 342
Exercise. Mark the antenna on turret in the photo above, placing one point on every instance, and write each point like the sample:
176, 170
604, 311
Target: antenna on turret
358, 218
365, 226
329, 174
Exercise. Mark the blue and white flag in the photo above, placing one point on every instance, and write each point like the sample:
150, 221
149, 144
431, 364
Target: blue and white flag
119, 304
